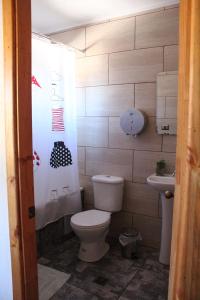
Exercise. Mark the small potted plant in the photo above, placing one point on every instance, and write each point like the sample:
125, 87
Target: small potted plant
160, 167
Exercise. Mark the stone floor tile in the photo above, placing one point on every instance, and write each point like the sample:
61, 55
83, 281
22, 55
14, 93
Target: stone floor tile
146, 285
68, 292
113, 277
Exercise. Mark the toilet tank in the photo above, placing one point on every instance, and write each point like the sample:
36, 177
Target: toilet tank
108, 192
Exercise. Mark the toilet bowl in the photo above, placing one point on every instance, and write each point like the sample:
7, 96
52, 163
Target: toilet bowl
92, 226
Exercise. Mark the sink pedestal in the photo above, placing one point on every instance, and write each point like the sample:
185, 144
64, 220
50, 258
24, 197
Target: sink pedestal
166, 236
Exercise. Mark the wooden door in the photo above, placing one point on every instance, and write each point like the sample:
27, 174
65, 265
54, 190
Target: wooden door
17, 97
185, 262
185, 253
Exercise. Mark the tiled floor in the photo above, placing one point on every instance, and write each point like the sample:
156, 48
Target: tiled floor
113, 277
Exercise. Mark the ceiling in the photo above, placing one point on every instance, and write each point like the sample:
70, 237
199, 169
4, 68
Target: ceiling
50, 16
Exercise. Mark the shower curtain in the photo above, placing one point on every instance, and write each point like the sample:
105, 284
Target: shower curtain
56, 181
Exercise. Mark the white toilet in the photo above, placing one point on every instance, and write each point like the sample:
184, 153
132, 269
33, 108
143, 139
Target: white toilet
92, 226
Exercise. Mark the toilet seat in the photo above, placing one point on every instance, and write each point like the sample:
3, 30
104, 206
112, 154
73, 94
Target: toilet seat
91, 219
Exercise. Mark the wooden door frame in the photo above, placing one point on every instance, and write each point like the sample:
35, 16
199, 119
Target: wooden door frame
185, 261
185, 253
18, 119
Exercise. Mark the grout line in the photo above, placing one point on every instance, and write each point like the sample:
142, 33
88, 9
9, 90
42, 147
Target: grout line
134, 95
108, 68
118, 116
126, 149
128, 50
135, 34
137, 214
114, 84
133, 164
163, 59
172, 6
138, 268
162, 143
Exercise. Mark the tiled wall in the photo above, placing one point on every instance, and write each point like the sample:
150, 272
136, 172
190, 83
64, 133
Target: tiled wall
118, 71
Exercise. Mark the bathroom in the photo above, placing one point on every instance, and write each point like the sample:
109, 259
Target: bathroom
104, 147
120, 64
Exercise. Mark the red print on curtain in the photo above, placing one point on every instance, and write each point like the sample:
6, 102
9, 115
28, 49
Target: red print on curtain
36, 161
34, 81
57, 119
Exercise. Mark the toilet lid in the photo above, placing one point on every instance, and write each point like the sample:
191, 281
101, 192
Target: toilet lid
91, 218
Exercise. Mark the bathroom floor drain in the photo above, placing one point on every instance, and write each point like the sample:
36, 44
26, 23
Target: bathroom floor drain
101, 280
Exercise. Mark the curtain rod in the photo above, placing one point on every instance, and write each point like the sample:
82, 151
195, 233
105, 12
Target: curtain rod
40, 35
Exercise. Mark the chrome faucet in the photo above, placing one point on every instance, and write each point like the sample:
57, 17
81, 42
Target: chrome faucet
174, 173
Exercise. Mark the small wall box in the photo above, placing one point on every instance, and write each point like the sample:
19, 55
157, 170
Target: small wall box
132, 122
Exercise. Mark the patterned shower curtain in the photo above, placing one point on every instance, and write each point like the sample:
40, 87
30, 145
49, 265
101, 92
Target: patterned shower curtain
56, 181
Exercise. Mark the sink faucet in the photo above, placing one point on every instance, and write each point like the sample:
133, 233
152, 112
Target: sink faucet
174, 173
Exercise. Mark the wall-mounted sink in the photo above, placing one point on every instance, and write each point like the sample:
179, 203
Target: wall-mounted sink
165, 184
162, 183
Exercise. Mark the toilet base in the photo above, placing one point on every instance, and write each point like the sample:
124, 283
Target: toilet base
91, 252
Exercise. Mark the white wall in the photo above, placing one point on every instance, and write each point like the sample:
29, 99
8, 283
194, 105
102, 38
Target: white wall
5, 256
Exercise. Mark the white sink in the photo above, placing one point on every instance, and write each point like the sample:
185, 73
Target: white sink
162, 183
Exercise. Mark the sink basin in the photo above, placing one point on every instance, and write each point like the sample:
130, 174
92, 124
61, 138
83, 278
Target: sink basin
162, 183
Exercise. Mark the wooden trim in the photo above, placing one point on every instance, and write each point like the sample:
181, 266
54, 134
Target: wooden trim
17, 89
185, 258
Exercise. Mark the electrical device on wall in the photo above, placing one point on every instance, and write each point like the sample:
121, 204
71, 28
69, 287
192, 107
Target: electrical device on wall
132, 122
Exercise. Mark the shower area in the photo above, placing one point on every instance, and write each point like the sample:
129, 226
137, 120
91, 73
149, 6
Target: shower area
56, 179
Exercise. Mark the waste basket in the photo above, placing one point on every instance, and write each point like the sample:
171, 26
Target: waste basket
128, 241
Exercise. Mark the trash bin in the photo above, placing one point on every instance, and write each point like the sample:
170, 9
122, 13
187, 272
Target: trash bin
128, 241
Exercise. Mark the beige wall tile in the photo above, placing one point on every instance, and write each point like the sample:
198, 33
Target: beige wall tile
74, 38
109, 161
141, 199
86, 183
110, 37
80, 101
81, 160
120, 221
150, 229
171, 58
135, 66
145, 163
167, 84
92, 71
169, 143
92, 131
147, 140
157, 29
145, 98
172, 6
109, 100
